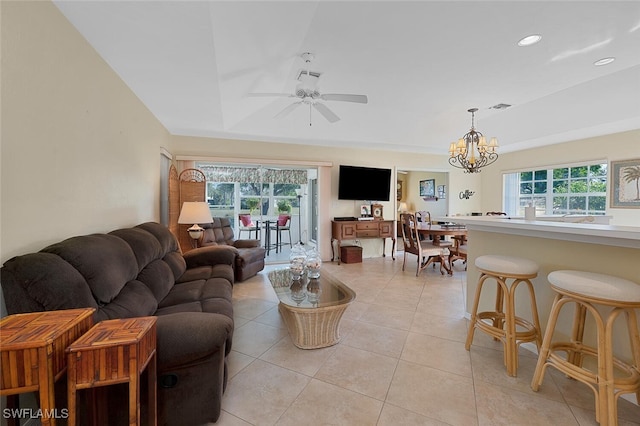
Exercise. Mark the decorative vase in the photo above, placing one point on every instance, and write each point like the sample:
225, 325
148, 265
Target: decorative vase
297, 261
314, 262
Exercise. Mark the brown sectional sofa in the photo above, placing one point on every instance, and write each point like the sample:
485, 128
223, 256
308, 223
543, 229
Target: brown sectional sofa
135, 272
250, 254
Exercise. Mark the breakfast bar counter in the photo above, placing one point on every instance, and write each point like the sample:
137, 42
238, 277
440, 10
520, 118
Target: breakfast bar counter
605, 249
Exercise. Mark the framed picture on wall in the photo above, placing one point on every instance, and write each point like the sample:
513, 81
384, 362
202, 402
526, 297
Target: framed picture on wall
625, 184
442, 193
428, 188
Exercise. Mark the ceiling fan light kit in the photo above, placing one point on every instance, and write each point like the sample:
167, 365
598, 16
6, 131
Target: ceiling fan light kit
307, 92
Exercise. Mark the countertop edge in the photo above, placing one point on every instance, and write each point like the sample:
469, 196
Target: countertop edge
620, 236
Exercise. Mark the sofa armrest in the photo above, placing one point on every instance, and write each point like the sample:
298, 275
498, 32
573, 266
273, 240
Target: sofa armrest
186, 337
246, 243
211, 255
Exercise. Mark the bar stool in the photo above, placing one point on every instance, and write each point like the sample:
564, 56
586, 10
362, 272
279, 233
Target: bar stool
587, 290
503, 324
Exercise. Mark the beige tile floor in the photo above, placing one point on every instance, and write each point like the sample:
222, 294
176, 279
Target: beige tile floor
401, 361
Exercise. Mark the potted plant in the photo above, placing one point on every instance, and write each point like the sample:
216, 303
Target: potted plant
252, 204
284, 206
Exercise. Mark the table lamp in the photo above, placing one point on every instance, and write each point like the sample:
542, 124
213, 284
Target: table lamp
195, 212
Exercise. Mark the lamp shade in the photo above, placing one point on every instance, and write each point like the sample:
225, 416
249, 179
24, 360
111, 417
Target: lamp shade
194, 212
402, 207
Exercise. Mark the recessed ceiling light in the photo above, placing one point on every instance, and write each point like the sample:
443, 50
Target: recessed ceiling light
529, 40
603, 61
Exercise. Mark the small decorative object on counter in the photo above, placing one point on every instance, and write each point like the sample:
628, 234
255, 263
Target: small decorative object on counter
314, 262
297, 261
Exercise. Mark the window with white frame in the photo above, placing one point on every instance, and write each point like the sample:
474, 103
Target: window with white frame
571, 190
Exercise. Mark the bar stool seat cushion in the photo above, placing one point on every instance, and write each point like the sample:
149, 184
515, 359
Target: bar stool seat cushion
507, 265
600, 286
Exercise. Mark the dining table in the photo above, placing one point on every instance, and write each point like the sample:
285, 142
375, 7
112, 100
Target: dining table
439, 231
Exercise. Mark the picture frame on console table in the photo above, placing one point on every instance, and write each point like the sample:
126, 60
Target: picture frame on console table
376, 211
625, 184
365, 210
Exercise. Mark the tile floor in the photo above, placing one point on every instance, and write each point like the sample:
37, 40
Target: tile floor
401, 361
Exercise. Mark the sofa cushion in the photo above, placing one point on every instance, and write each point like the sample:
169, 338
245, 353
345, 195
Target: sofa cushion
158, 276
187, 337
249, 255
176, 262
222, 230
134, 300
206, 272
166, 239
106, 262
197, 291
44, 281
145, 245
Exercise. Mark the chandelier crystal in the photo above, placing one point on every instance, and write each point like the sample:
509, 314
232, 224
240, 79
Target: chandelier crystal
472, 152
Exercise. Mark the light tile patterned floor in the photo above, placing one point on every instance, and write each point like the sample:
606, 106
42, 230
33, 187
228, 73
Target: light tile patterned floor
401, 361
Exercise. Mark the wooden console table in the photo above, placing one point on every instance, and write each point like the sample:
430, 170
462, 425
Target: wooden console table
360, 229
33, 353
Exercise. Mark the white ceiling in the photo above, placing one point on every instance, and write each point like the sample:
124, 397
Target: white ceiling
422, 64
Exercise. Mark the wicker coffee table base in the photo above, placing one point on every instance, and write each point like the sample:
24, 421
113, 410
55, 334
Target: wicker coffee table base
313, 328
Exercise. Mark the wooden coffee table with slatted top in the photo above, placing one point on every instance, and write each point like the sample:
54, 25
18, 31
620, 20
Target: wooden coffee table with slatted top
115, 351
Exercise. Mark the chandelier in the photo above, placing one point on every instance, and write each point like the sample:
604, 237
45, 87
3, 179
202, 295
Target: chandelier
471, 153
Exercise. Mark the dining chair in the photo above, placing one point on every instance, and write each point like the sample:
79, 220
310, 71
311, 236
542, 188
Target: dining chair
283, 223
424, 216
247, 224
459, 250
427, 253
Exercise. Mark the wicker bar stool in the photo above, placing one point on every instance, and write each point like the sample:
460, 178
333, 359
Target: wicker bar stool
502, 323
590, 291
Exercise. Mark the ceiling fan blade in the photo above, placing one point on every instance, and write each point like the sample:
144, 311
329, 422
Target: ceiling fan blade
361, 99
261, 95
288, 110
326, 112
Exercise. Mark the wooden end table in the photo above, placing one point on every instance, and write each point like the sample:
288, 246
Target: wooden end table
115, 351
33, 353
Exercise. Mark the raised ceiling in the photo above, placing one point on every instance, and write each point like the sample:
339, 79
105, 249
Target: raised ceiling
422, 64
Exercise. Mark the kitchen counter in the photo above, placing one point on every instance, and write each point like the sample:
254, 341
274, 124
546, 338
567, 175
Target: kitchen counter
619, 236
605, 249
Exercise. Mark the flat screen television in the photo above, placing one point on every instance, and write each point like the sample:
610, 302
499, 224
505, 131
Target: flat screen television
364, 183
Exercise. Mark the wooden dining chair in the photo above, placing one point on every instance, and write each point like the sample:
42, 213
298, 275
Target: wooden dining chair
459, 250
427, 253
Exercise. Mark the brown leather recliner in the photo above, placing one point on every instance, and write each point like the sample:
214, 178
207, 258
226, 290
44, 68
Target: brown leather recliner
249, 252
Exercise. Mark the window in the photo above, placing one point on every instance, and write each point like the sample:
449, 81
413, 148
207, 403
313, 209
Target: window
574, 190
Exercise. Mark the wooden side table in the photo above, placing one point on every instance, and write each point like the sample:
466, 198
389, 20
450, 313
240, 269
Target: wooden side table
115, 351
33, 353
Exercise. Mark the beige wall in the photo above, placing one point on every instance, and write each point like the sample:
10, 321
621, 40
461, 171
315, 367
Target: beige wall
80, 152
417, 203
618, 146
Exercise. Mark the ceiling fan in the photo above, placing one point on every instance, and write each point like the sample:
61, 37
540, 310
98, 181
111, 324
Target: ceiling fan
308, 94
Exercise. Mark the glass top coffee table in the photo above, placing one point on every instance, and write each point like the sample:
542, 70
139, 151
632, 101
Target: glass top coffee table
311, 307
